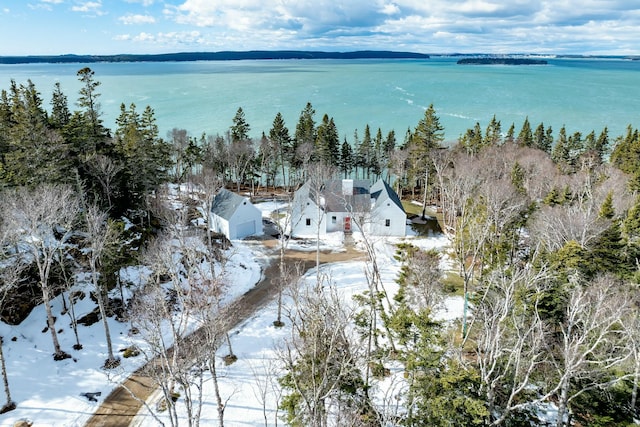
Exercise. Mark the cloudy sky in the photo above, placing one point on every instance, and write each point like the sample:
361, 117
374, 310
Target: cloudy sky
428, 26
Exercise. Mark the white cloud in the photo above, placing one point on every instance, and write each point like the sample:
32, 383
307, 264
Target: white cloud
426, 26
172, 38
137, 19
91, 7
143, 2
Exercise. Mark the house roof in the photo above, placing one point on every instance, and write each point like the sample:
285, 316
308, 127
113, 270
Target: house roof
225, 203
350, 195
381, 191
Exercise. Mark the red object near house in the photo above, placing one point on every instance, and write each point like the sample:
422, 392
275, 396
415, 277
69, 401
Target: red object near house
347, 224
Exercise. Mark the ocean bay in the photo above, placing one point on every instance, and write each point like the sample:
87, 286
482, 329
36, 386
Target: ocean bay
583, 94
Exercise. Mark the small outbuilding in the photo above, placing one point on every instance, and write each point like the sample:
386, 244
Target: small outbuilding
235, 216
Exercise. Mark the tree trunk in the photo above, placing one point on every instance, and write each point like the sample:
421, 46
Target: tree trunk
103, 313
634, 392
562, 403
216, 389
5, 379
58, 354
424, 199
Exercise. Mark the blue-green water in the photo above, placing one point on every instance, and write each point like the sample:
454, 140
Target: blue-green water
583, 94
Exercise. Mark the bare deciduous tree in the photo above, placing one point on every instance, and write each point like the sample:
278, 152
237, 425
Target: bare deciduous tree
509, 337
44, 217
591, 341
322, 382
11, 268
100, 235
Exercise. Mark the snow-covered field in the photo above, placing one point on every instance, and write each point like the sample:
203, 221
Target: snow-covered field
48, 393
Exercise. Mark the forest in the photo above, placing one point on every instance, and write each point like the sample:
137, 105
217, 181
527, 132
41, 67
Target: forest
544, 227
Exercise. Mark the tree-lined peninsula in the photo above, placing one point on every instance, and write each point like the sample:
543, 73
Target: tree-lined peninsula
211, 56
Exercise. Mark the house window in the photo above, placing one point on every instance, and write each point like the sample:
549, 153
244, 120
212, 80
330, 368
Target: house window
333, 219
387, 223
308, 222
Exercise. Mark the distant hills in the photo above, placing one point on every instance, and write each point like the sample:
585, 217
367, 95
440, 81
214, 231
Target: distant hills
212, 56
502, 61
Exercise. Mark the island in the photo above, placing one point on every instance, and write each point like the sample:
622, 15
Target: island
501, 61
211, 56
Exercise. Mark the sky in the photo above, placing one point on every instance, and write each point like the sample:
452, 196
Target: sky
52, 27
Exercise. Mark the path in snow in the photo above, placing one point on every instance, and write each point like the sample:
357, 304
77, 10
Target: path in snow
120, 407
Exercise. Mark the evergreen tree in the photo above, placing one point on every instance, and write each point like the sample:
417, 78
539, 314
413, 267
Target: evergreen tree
493, 133
88, 102
365, 153
279, 136
389, 148
327, 142
472, 141
525, 137
145, 156
542, 138
626, 153
60, 114
240, 128
305, 134
560, 152
428, 135
606, 210
346, 158
602, 147
509, 137
33, 152
575, 148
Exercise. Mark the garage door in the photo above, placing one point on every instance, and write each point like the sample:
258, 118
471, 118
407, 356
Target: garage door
245, 229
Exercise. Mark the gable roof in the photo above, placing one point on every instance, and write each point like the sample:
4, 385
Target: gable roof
381, 191
225, 203
350, 195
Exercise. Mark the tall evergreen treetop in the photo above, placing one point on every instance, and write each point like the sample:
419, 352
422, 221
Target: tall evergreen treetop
240, 128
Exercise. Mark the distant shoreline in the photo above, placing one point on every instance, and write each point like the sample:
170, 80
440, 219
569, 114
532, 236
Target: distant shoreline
501, 61
210, 56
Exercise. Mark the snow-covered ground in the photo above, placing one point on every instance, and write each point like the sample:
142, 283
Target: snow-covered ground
48, 393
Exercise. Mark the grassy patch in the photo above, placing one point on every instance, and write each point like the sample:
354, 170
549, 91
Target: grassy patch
452, 283
411, 208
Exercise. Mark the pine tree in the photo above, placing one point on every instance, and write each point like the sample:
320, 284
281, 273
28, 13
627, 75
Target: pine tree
88, 102
346, 158
525, 137
305, 134
472, 140
60, 114
560, 152
279, 136
240, 128
365, 153
542, 139
327, 142
428, 135
509, 137
493, 133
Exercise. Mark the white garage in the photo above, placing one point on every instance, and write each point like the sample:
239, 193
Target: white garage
234, 216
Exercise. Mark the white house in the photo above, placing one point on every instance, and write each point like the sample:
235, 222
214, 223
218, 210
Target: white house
235, 216
347, 205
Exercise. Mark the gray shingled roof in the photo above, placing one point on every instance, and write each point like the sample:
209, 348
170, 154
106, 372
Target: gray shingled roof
381, 191
225, 203
360, 201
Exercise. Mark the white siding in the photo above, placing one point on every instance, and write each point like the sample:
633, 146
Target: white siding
239, 227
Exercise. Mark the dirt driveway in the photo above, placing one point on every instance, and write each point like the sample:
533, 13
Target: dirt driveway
120, 407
